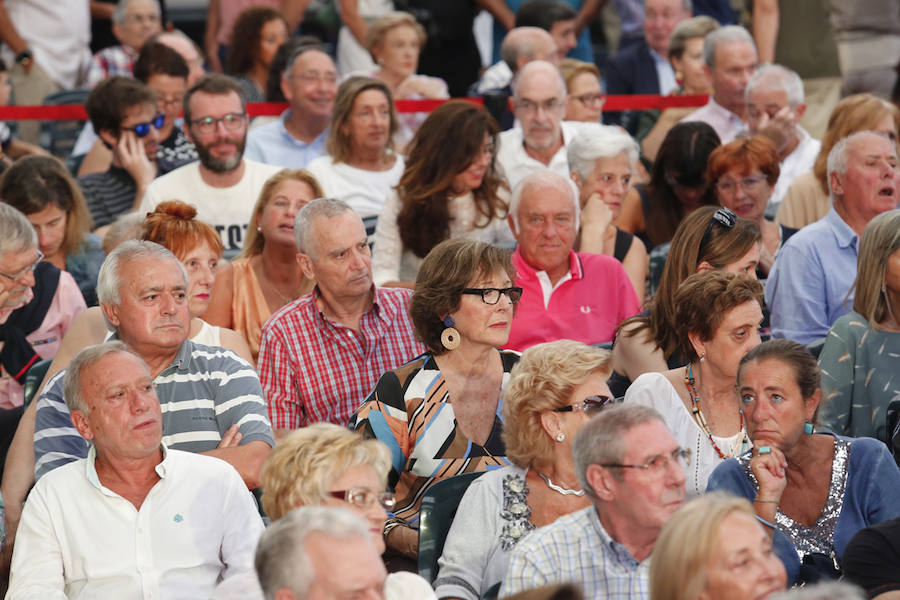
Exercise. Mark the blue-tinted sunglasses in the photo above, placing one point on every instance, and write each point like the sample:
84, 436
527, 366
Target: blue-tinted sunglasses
142, 129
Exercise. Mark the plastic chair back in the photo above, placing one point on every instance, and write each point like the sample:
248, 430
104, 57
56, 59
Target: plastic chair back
58, 137
34, 377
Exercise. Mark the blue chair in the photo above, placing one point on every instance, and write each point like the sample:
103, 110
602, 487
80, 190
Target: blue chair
438, 508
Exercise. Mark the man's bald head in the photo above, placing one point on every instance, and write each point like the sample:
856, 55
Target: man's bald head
525, 44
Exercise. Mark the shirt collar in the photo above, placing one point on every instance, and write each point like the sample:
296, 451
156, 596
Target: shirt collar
576, 268
90, 470
616, 549
182, 358
377, 306
843, 233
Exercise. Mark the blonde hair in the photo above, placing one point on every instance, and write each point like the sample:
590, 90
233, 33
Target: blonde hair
544, 379
302, 466
880, 239
678, 569
572, 68
379, 29
255, 241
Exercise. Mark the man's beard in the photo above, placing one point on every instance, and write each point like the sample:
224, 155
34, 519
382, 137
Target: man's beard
217, 165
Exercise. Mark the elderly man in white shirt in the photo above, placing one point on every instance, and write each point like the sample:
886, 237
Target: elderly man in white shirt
539, 140
774, 108
133, 519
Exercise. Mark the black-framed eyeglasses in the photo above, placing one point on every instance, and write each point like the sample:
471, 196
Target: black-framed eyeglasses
26, 270
659, 464
723, 217
492, 295
142, 129
231, 121
591, 404
365, 498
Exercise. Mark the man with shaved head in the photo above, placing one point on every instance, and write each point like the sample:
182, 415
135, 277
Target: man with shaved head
539, 142
567, 295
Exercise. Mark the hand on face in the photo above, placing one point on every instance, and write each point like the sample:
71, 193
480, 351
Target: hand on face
132, 154
769, 470
779, 128
596, 213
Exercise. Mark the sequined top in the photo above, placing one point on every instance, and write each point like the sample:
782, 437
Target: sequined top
818, 539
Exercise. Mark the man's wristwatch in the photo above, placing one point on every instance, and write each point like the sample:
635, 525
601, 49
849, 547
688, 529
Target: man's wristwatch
24, 57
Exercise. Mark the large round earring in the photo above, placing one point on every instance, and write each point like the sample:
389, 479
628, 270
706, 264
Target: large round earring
449, 336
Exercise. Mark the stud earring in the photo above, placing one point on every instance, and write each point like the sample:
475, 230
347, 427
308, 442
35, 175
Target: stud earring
450, 336
703, 357
560, 437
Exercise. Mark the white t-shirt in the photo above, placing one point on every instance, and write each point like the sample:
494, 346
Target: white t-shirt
228, 209
365, 191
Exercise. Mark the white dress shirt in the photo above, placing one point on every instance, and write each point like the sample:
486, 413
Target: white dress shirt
78, 539
517, 164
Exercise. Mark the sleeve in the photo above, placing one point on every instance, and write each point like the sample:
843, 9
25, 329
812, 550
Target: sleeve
71, 301
794, 295
243, 528
254, 146
383, 416
881, 476
56, 441
530, 566
388, 246
629, 305
96, 71
616, 81
239, 400
275, 369
473, 534
37, 561
837, 364
730, 477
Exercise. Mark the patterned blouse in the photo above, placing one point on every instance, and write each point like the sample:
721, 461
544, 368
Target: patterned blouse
410, 411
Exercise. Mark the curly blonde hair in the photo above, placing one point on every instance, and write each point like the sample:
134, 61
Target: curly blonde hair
544, 379
302, 466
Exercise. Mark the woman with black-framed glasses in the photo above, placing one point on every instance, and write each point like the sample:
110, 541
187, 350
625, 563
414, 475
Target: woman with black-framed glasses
552, 392
440, 414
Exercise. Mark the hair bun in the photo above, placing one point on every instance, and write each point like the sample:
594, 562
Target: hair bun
174, 208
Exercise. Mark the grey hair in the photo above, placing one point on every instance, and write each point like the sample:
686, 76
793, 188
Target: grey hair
16, 232
521, 42
281, 560
601, 440
127, 226
599, 141
837, 158
695, 27
71, 385
109, 282
120, 12
288, 71
540, 179
320, 207
724, 35
829, 590
776, 77
532, 69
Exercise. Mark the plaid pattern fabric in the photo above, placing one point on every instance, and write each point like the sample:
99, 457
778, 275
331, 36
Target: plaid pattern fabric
576, 549
314, 370
115, 60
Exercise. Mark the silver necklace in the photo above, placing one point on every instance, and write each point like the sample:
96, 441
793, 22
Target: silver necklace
559, 489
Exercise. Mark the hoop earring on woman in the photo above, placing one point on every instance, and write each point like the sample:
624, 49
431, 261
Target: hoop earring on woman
449, 336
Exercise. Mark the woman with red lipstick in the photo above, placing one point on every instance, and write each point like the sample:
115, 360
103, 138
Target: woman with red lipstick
265, 276
440, 414
395, 42
743, 174
449, 189
816, 490
730, 556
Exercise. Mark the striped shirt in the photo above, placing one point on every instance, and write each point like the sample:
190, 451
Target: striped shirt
202, 393
108, 194
576, 549
315, 370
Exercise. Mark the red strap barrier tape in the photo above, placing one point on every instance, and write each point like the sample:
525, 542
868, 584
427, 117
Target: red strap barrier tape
75, 112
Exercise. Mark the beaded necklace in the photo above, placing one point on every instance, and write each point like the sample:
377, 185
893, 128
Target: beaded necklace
701, 419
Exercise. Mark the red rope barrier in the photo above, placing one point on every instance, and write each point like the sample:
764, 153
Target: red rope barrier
75, 112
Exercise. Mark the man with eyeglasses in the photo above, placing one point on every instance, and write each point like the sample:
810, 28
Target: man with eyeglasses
633, 470
222, 184
539, 141
566, 294
134, 518
309, 82
133, 23
321, 356
811, 284
123, 112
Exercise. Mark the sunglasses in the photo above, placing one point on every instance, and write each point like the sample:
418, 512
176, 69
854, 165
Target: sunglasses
723, 217
142, 129
591, 404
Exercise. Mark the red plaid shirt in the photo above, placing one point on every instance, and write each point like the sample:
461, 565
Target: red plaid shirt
313, 369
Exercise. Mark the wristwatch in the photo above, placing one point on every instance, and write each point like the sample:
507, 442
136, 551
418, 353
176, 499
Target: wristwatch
24, 57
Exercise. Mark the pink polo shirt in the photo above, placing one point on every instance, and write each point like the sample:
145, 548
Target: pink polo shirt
586, 305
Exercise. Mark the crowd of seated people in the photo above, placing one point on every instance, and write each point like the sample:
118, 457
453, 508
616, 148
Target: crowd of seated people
633, 354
